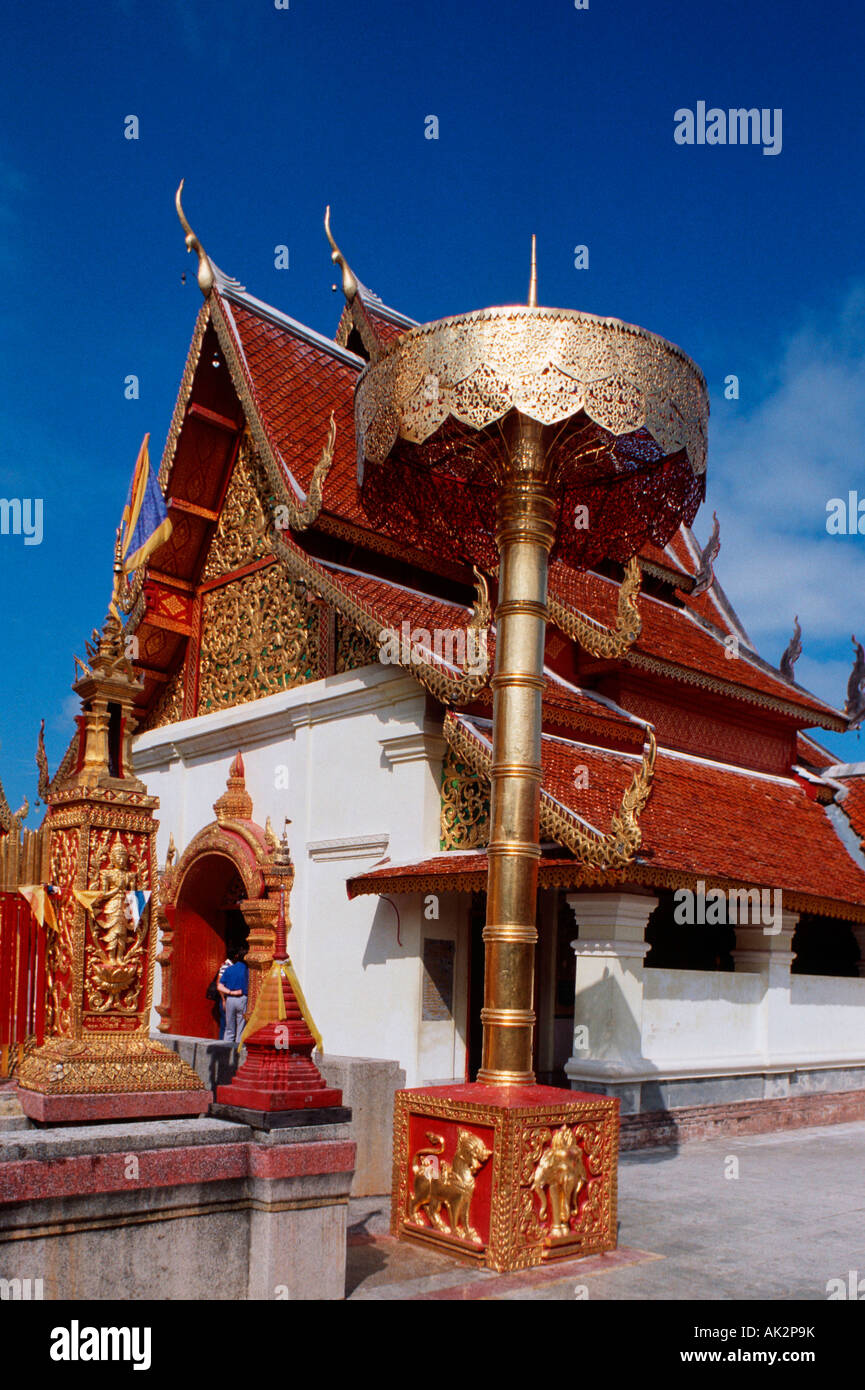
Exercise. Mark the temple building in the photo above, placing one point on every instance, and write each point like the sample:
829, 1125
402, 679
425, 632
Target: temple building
301, 662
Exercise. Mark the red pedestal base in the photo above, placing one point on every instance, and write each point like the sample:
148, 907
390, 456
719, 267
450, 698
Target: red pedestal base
116, 1105
507, 1176
274, 1077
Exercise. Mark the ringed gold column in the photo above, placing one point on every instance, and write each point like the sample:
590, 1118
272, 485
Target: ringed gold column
524, 534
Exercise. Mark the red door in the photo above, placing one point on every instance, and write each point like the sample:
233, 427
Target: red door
199, 945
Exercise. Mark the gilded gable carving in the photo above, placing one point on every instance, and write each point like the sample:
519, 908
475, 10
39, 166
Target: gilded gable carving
259, 635
465, 807
353, 648
168, 708
241, 533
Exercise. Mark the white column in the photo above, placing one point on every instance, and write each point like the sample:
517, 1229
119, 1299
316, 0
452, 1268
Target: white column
762, 950
608, 1002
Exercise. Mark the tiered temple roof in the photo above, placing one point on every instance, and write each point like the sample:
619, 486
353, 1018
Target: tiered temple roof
741, 795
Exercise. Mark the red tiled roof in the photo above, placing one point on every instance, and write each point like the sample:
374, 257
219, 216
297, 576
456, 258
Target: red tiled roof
656, 556
456, 871
671, 635
564, 704
705, 820
295, 385
296, 379
853, 804
398, 604
386, 330
413, 878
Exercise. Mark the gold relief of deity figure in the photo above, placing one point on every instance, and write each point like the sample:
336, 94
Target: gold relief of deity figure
110, 908
559, 1178
115, 966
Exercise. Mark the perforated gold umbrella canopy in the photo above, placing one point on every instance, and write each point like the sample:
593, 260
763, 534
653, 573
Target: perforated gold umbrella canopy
624, 418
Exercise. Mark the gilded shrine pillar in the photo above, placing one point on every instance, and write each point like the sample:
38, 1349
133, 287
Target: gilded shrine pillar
513, 437
99, 1062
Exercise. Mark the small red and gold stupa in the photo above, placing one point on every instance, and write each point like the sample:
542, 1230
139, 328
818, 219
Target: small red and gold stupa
279, 1084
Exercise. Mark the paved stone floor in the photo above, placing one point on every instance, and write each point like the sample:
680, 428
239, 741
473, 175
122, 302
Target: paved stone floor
791, 1221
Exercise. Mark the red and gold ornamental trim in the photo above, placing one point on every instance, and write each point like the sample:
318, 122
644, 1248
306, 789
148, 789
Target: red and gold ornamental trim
508, 1177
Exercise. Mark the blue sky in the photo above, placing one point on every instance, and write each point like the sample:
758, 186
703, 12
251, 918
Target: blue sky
551, 120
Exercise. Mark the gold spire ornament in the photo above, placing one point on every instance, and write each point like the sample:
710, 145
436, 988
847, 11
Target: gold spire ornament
205, 268
209, 274
533, 276
349, 280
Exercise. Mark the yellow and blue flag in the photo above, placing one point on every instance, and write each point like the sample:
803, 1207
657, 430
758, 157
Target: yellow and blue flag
145, 524
39, 896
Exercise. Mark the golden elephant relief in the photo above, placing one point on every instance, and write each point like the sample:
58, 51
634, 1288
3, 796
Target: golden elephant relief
560, 1175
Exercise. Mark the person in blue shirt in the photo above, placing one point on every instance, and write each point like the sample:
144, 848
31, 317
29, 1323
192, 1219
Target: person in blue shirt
234, 988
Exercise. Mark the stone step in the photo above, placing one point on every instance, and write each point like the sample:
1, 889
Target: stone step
10, 1121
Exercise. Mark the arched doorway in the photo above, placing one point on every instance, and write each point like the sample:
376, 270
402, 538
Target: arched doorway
222, 893
208, 926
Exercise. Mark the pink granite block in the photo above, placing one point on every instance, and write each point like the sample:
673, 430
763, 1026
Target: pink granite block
31, 1179
135, 1105
302, 1160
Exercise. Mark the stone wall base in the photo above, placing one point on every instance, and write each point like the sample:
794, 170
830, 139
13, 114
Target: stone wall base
176, 1209
368, 1085
653, 1129
648, 1094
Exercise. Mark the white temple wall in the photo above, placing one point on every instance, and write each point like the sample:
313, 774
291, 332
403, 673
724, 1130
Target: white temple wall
693, 1017
689, 1014
355, 764
824, 1019
661, 1038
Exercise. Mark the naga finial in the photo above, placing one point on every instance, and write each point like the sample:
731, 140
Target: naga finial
42, 764
705, 576
792, 651
349, 281
205, 267
533, 276
854, 706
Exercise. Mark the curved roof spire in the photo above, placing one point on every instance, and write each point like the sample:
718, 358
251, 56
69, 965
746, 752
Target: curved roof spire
209, 273
350, 285
205, 268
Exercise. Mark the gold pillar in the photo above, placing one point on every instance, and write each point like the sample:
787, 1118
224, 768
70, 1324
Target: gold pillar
524, 535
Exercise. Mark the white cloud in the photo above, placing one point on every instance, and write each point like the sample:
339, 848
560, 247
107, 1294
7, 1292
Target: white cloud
772, 470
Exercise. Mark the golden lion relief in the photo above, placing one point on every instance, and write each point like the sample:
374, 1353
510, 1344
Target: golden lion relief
559, 1178
440, 1184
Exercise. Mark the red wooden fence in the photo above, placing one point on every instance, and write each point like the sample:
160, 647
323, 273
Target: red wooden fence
22, 980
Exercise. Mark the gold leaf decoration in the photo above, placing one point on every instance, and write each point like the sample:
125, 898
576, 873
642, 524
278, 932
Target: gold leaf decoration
260, 635
465, 807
